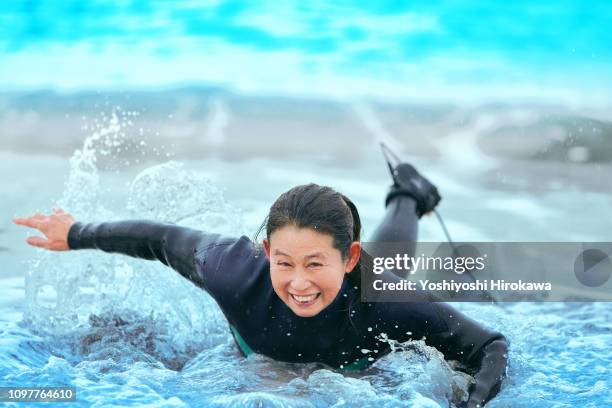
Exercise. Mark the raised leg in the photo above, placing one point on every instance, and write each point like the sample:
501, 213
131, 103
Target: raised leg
400, 223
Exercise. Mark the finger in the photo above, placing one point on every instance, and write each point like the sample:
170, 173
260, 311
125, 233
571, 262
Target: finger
38, 221
28, 222
58, 210
22, 220
38, 242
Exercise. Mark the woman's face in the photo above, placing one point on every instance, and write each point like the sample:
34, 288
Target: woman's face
305, 268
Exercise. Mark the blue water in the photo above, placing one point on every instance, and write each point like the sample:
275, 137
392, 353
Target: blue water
467, 50
127, 332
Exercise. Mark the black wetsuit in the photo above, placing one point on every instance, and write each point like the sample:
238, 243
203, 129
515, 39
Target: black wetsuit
236, 274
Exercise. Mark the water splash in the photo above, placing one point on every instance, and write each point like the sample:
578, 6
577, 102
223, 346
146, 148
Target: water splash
169, 193
82, 189
414, 367
105, 306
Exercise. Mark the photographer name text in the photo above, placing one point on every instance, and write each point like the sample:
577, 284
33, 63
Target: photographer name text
453, 286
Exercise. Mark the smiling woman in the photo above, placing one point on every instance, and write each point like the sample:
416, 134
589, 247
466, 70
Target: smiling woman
307, 281
301, 302
315, 234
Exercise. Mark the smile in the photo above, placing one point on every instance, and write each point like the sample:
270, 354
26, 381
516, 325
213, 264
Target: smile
305, 300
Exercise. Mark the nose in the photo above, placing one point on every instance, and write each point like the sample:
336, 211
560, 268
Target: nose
299, 283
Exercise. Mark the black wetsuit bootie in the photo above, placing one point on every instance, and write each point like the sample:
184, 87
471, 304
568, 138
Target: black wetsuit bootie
408, 181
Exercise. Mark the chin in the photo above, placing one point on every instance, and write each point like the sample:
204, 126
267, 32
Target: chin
310, 311
306, 313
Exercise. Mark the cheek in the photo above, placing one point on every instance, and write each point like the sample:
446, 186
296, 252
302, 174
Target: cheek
279, 281
330, 281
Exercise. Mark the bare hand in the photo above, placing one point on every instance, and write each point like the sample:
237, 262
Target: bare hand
55, 227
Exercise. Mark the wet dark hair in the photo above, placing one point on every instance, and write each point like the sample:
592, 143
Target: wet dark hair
322, 209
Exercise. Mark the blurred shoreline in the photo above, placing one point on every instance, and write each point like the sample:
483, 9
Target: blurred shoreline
502, 146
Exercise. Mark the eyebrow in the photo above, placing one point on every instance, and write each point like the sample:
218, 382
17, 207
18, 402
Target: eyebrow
316, 255
313, 255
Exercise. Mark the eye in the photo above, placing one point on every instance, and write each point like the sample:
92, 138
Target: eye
315, 265
282, 263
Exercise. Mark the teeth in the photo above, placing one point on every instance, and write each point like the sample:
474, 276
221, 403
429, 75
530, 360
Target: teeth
304, 298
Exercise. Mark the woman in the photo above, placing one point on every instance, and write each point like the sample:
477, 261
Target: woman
301, 301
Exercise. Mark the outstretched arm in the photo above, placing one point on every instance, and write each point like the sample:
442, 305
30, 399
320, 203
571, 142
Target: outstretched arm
173, 245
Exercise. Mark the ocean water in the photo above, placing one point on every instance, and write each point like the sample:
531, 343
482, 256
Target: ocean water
463, 50
128, 332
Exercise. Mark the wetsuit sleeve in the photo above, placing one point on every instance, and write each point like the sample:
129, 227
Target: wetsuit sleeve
173, 245
482, 351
